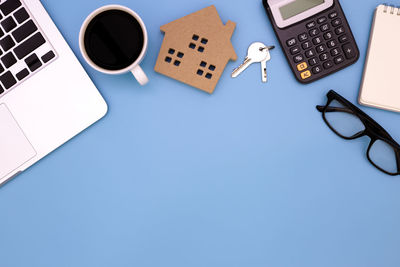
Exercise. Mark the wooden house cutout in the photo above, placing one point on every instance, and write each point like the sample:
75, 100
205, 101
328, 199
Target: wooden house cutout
196, 49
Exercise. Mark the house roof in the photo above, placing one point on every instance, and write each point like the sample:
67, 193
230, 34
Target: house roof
206, 20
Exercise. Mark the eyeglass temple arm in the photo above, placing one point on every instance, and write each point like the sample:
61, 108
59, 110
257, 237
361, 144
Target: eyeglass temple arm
334, 109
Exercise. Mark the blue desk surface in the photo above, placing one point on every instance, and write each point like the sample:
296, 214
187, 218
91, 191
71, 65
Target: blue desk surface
247, 177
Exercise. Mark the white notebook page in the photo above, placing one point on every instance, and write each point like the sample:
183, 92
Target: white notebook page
381, 82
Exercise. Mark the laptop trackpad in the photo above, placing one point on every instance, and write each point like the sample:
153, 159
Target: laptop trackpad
15, 148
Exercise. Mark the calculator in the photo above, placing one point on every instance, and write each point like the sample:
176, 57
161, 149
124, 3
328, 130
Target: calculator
314, 35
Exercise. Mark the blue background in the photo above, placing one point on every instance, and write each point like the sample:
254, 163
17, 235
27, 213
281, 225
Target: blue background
172, 176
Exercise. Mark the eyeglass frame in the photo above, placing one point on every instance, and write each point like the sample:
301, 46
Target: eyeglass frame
372, 129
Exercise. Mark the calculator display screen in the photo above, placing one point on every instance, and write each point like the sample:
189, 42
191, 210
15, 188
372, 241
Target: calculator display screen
297, 7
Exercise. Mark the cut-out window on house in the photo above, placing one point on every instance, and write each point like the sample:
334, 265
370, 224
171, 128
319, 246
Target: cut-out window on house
177, 63
192, 46
211, 67
200, 72
180, 55
195, 37
171, 51
208, 75
204, 41
201, 49
203, 64
168, 59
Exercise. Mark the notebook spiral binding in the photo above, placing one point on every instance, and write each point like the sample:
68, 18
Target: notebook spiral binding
392, 9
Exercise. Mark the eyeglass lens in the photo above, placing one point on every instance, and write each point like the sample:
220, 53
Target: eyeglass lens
343, 121
383, 156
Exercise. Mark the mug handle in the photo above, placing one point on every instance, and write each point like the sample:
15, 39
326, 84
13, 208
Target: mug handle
140, 76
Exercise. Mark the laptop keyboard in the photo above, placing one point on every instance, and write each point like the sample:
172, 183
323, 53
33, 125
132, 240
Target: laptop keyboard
24, 49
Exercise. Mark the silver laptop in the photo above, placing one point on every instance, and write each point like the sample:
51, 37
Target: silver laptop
46, 97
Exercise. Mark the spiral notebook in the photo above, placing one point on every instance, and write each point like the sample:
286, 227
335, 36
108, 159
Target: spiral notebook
380, 86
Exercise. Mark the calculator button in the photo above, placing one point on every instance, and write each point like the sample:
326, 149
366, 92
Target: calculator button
317, 69
349, 51
306, 45
335, 52
317, 40
314, 32
321, 48
333, 15
291, 42
339, 60
302, 66
328, 36
339, 30
313, 61
336, 22
298, 58
343, 38
295, 50
310, 53
325, 27
305, 75
324, 57
331, 44
303, 37
311, 25
328, 64
322, 20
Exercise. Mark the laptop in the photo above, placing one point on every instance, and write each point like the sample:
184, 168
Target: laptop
46, 97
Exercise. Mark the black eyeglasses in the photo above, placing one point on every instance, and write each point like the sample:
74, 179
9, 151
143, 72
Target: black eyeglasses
349, 122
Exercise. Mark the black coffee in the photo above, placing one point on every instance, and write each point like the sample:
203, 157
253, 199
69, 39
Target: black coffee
113, 40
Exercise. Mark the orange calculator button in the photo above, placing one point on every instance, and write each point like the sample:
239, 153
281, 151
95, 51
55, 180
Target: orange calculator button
302, 66
305, 75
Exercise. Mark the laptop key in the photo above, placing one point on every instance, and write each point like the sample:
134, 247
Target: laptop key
24, 49
8, 80
48, 56
24, 31
33, 62
21, 15
29, 45
8, 24
7, 43
8, 60
9, 6
22, 74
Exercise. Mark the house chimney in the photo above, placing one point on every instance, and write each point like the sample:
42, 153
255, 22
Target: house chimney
230, 28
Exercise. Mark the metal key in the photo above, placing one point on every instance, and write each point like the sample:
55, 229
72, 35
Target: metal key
255, 54
264, 63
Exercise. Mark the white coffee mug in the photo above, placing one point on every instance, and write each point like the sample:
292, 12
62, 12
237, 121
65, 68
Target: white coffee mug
134, 68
